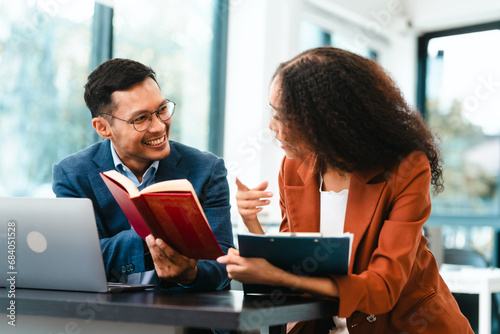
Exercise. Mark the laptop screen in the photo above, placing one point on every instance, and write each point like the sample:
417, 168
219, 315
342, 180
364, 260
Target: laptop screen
51, 243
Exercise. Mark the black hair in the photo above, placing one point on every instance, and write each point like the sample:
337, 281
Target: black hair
113, 75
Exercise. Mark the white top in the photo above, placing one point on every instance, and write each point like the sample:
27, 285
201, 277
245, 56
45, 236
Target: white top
332, 211
332, 217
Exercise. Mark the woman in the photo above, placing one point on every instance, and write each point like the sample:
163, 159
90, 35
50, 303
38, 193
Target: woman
357, 159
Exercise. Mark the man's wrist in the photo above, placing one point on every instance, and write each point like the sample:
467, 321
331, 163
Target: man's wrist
191, 277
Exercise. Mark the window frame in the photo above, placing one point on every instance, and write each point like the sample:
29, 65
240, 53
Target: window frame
423, 42
102, 50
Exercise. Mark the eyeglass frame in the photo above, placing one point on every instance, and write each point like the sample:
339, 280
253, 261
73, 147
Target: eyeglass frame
157, 112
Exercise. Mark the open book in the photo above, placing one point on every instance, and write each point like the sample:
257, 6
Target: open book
305, 254
169, 210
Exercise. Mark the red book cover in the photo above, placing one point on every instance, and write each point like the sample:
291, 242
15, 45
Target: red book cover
131, 206
170, 210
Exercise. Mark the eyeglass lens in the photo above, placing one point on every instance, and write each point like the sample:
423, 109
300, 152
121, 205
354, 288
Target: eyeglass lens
143, 121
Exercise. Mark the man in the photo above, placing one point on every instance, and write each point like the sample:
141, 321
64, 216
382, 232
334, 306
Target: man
130, 112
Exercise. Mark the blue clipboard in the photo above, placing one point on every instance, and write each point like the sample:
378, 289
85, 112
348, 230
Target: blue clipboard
298, 253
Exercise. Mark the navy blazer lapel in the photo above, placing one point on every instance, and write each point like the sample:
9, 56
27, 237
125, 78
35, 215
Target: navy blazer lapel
103, 157
169, 169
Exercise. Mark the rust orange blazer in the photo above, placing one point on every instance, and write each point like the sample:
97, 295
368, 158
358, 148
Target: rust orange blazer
393, 284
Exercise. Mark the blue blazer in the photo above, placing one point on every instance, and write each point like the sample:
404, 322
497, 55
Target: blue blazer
122, 249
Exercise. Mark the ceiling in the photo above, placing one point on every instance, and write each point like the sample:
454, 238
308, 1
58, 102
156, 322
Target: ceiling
426, 15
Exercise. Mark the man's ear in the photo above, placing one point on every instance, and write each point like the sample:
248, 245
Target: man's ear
102, 127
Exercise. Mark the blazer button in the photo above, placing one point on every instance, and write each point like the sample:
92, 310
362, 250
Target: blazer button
371, 318
132, 268
124, 269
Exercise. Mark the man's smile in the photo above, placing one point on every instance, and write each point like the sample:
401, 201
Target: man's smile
157, 141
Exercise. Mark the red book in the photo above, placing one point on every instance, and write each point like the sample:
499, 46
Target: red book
169, 210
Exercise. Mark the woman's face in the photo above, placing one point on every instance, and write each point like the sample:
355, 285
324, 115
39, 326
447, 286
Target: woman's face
292, 150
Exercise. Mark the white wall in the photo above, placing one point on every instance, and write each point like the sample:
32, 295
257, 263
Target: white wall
261, 35
400, 60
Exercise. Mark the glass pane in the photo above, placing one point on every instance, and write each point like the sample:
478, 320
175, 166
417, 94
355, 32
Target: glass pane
44, 63
462, 102
174, 37
312, 35
478, 238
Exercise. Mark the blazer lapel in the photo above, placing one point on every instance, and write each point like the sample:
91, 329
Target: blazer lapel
302, 198
303, 201
361, 205
103, 157
169, 169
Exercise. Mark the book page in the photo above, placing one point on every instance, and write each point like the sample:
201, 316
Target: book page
295, 234
123, 182
180, 185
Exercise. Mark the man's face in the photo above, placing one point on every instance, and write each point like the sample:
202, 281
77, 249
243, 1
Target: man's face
136, 149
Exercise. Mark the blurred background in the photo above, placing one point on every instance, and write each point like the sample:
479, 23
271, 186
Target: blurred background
215, 58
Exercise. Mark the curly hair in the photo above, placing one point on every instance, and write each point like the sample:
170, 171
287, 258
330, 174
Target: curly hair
349, 112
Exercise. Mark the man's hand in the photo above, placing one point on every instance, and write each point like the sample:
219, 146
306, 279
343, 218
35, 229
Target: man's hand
170, 265
250, 202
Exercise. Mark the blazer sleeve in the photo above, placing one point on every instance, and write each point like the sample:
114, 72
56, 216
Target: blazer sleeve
122, 248
214, 198
378, 288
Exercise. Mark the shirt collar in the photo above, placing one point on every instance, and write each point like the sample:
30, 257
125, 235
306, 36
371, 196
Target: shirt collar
147, 178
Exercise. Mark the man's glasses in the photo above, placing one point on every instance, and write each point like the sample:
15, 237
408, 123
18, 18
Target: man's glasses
143, 121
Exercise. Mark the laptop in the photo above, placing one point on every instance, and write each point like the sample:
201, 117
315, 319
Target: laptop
52, 243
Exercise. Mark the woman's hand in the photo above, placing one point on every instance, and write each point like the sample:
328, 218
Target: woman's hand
251, 269
259, 271
250, 202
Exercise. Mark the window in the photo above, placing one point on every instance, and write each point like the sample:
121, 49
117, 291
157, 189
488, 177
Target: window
44, 61
48, 48
462, 99
313, 35
174, 37
459, 95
